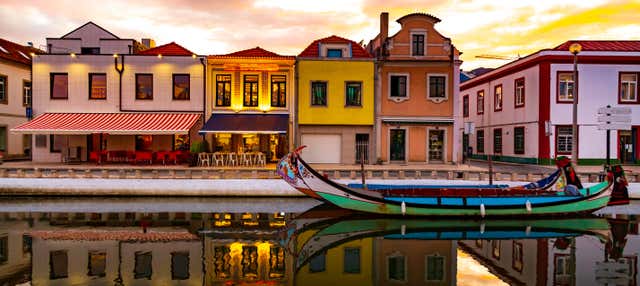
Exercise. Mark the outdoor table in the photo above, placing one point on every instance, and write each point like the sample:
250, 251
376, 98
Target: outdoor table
143, 156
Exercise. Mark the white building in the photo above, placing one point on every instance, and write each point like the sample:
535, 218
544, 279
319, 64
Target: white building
522, 111
94, 92
15, 96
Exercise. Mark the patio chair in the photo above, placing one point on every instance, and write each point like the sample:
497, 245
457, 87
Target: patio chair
261, 159
203, 158
218, 159
233, 159
245, 159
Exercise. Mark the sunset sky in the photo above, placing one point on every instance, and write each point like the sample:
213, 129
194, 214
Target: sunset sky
505, 28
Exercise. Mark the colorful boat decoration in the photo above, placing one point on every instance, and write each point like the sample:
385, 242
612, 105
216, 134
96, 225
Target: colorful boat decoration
572, 199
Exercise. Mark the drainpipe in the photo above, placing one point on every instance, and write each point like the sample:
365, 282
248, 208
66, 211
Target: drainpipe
204, 94
120, 70
296, 137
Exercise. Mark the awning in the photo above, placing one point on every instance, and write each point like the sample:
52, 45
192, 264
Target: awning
246, 123
111, 123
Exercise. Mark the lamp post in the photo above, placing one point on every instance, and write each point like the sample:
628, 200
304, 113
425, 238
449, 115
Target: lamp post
575, 48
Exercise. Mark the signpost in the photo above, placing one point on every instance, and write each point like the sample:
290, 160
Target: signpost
613, 118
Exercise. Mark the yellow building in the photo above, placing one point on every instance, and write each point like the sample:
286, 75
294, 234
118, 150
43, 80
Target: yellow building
335, 97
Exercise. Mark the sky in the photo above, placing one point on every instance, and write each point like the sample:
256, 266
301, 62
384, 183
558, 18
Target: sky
506, 28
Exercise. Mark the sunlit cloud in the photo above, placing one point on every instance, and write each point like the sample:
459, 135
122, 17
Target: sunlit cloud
470, 272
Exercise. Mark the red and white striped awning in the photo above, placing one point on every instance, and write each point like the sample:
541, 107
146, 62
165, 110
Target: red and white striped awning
111, 123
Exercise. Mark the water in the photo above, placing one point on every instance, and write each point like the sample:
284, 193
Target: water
214, 241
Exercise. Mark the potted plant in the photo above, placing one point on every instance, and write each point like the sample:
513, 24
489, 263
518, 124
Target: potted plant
196, 148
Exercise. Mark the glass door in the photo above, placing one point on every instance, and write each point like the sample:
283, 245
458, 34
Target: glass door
627, 147
436, 145
397, 144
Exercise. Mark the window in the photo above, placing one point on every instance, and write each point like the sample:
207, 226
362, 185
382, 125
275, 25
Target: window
41, 140
353, 93
97, 263
497, 98
417, 44
480, 141
318, 263
144, 86
495, 246
480, 101
142, 268
250, 90
4, 249
519, 92
334, 53
58, 264
517, 262
398, 86
55, 143
319, 93
396, 268
144, 142
465, 106
26, 93
351, 260
4, 91
223, 90
278, 91
97, 86
565, 87
437, 87
179, 265
628, 89
90, 51
497, 141
362, 148
3, 138
564, 139
435, 268
59, 86
181, 86
181, 142
518, 140
563, 270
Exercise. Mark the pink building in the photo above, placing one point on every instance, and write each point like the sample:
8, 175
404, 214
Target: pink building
522, 111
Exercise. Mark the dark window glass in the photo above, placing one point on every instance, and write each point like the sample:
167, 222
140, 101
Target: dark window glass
278, 91
3, 90
418, 45
144, 142
398, 86
396, 268
318, 263
97, 263
97, 86
90, 51
465, 106
181, 86
4, 249
55, 143
437, 85
497, 141
179, 266
397, 146
564, 139
435, 268
519, 92
144, 86
3, 138
26, 93
480, 102
250, 90
518, 140
318, 93
354, 93
517, 260
58, 263
480, 141
142, 268
497, 98
334, 53
351, 260
59, 86
223, 90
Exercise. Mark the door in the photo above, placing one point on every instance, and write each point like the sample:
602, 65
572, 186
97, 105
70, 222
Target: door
362, 148
436, 145
397, 144
627, 146
465, 146
322, 148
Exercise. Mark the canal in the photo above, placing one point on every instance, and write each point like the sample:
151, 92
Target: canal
298, 241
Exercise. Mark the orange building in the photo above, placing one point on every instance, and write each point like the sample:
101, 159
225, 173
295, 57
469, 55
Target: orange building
416, 86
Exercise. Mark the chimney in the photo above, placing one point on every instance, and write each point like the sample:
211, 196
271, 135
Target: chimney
149, 43
384, 26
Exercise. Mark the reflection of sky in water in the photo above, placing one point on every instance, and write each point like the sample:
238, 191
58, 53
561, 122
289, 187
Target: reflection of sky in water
471, 272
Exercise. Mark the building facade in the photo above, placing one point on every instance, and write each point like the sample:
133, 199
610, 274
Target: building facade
416, 90
335, 101
250, 103
95, 93
522, 112
15, 96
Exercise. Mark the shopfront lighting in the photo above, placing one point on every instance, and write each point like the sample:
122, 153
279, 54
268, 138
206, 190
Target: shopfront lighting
193, 56
73, 55
115, 55
159, 56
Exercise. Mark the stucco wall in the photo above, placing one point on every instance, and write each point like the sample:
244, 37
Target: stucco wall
13, 112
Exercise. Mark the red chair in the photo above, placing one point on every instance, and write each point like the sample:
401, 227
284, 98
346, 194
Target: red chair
160, 156
95, 156
145, 156
173, 156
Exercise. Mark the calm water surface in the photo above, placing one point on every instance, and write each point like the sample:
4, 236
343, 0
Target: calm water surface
217, 241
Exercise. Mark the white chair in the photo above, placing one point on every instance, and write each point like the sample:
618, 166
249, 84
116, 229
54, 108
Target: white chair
233, 159
261, 159
218, 159
203, 158
245, 159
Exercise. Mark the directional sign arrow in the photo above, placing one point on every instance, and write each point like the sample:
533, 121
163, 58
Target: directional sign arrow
615, 118
614, 110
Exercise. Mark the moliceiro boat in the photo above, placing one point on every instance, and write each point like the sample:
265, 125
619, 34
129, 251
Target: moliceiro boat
571, 199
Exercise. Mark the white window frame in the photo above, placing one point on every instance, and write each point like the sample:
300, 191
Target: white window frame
569, 138
324, 50
396, 255
446, 87
27, 96
561, 97
417, 32
395, 98
444, 142
628, 87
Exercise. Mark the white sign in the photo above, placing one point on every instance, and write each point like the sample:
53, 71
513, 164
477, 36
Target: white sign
614, 110
614, 126
615, 118
469, 127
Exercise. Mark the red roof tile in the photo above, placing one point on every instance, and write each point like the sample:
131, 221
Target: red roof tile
256, 52
170, 49
357, 51
611, 46
13, 52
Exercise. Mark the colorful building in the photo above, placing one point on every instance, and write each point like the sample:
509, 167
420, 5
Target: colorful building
522, 111
416, 90
335, 101
250, 103
15, 96
97, 96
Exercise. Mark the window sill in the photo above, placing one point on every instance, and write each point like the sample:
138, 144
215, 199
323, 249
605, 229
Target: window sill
181, 99
144, 98
438, 99
398, 99
66, 98
97, 98
519, 106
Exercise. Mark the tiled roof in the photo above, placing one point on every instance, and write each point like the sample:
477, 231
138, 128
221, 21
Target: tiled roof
256, 52
14, 52
357, 51
612, 46
436, 19
170, 49
118, 235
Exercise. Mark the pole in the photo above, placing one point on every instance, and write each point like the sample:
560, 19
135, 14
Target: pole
608, 146
574, 127
364, 185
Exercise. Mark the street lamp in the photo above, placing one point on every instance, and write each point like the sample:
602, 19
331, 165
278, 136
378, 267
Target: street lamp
575, 49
